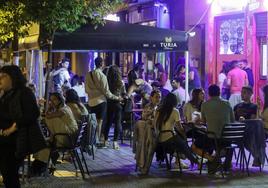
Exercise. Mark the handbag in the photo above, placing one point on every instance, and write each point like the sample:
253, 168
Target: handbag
30, 140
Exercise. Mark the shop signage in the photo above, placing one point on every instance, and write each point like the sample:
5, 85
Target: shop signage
168, 44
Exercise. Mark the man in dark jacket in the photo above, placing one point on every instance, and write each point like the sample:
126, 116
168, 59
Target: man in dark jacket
244, 66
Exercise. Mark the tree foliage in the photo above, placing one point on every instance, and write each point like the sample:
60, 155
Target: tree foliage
17, 15
68, 14
13, 20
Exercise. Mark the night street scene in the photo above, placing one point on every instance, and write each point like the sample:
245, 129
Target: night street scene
133, 93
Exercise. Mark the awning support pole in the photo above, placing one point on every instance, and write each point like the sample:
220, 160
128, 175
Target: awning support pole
186, 73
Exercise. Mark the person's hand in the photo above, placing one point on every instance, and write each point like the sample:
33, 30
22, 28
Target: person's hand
10, 130
121, 99
241, 118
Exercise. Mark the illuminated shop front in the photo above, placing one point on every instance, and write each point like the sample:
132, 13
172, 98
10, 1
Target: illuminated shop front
234, 30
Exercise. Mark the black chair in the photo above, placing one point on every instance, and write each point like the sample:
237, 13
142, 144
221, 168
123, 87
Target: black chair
168, 150
232, 137
73, 148
127, 121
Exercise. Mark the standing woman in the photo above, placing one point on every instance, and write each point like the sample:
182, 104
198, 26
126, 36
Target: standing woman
18, 109
114, 108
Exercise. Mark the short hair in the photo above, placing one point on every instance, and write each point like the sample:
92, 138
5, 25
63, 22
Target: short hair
178, 80
98, 62
248, 88
214, 90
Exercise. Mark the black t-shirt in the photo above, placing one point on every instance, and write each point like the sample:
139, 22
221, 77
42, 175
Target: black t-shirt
245, 110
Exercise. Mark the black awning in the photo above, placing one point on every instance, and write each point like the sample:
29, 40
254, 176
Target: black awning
118, 36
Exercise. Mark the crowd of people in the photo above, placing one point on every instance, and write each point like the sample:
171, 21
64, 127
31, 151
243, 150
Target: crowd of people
166, 112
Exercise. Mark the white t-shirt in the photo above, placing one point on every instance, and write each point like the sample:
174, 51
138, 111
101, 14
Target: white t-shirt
180, 94
169, 125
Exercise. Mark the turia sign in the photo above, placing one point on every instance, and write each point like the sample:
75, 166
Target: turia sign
168, 44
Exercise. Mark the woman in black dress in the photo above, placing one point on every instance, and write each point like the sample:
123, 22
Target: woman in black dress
18, 109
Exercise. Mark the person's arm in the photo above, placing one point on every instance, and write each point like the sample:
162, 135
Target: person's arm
203, 116
56, 114
87, 83
104, 87
229, 79
246, 79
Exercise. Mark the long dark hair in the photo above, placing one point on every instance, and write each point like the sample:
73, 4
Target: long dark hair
165, 109
265, 93
60, 97
114, 78
71, 96
195, 102
17, 77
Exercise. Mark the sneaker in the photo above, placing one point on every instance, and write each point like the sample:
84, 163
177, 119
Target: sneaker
183, 165
116, 145
106, 144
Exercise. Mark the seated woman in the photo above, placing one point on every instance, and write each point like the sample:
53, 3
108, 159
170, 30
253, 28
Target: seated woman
77, 107
59, 119
193, 107
167, 120
192, 111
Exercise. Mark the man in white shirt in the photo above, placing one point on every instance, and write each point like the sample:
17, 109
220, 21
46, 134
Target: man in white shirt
181, 95
97, 88
61, 77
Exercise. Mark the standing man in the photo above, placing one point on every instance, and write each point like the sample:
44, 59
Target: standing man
236, 79
179, 91
244, 66
97, 88
61, 77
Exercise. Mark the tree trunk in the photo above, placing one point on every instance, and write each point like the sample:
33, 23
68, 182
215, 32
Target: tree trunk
15, 49
48, 76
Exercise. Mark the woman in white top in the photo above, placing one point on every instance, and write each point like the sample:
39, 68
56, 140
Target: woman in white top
192, 109
167, 120
222, 82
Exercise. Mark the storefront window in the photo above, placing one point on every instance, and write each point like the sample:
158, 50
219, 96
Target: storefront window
232, 36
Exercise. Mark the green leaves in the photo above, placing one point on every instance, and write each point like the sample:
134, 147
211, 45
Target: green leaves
17, 15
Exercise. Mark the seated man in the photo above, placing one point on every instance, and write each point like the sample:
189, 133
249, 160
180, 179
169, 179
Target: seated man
246, 109
216, 112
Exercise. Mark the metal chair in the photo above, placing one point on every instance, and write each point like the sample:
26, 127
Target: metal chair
232, 137
73, 148
169, 151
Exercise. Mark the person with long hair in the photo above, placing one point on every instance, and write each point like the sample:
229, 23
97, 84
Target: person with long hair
77, 107
222, 81
18, 110
167, 121
59, 119
114, 108
192, 109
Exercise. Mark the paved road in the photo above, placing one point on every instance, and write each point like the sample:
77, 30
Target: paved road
115, 169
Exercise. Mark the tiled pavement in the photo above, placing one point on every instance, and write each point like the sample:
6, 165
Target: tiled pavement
115, 169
